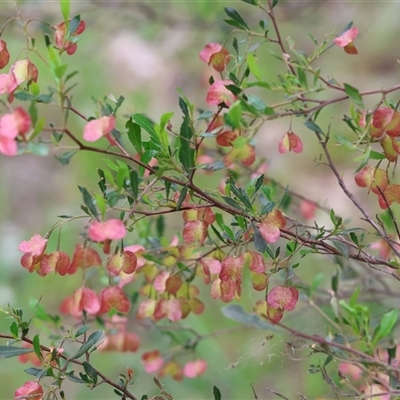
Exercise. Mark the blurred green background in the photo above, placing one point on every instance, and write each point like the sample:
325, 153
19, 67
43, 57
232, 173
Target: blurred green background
144, 51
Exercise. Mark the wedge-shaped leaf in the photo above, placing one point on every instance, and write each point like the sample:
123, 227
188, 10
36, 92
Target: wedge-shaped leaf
184, 108
70, 375
11, 351
240, 193
354, 95
232, 13
344, 251
73, 24
216, 393
134, 135
145, 123
253, 66
83, 329
65, 158
88, 200
65, 9
134, 180
314, 127
38, 372
36, 346
90, 371
93, 339
259, 242
233, 117
386, 325
186, 152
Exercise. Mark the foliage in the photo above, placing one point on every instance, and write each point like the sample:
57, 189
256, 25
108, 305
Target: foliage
248, 234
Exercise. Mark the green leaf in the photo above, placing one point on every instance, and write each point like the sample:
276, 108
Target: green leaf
274, 3
65, 9
386, 325
39, 149
253, 66
160, 226
240, 193
216, 391
232, 203
374, 155
302, 77
36, 346
346, 143
38, 372
354, 297
183, 106
259, 242
101, 204
38, 127
14, 329
335, 281
343, 249
70, 375
364, 159
10, 351
83, 329
60, 70
93, 339
73, 25
232, 13
134, 178
134, 135
186, 152
182, 197
313, 127
236, 313
24, 96
233, 117
328, 360
88, 200
90, 371
145, 123
230, 22
354, 95
65, 158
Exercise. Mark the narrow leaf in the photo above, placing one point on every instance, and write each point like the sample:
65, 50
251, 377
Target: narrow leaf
217, 393
93, 339
65, 9
354, 95
36, 346
254, 68
91, 372
232, 13
134, 178
134, 135
82, 330
386, 326
65, 158
344, 251
10, 351
186, 152
88, 200
313, 127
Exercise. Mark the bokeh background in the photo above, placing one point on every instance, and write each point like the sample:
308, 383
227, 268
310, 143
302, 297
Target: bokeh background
144, 51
